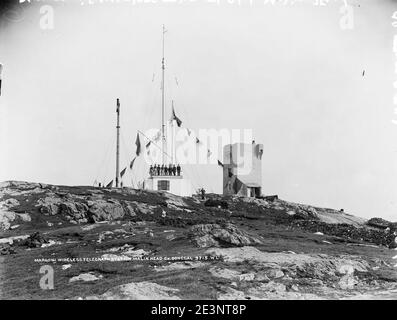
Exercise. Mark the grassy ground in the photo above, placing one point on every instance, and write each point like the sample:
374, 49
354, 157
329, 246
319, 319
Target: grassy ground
169, 236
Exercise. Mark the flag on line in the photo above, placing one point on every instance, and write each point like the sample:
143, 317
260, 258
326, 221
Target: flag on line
132, 163
174, 117
110, 184
157, 136
138, 145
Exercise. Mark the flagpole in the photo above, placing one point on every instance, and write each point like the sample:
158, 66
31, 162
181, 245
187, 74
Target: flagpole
118, 143
162, 103
172, 141
173, 134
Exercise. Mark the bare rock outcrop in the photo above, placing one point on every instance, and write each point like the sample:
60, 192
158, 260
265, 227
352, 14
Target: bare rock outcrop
75, 210
49, 205
86, 209
102, 210
381, 223
215, 235
297, 210
138, 291
7, 216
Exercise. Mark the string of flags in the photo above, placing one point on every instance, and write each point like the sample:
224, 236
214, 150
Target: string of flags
156, 138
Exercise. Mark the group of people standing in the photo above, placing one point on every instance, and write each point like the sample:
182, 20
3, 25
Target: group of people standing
164, 170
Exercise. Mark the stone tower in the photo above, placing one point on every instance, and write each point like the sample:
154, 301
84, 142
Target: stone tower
242, 169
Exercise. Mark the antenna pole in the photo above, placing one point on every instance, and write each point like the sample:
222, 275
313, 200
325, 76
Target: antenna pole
118, 144
162, 103
172, 135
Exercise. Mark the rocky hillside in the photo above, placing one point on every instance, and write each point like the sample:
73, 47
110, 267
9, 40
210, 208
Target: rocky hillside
134, 244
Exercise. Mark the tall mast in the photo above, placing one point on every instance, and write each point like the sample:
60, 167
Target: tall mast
118, 144
172, 135
162, 105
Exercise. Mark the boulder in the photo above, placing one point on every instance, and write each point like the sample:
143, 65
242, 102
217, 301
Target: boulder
271, 198
24, 217
216, 203
102, 210
143, 208
130, 208
6, 217
174, 202
36, 240
76, 210
299, 211
184, 265
214, 235
6, 250
379, 223
275, 273
138, 291
347, 282
9, 203
268, 287
225, 273
306, 212
49, 205
86, 277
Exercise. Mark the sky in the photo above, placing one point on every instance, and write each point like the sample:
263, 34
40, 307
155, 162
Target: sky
290, 73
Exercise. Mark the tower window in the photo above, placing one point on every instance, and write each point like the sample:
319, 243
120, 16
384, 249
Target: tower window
163, 185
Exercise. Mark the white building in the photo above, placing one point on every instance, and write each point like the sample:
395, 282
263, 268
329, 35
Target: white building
242, 169
175, 184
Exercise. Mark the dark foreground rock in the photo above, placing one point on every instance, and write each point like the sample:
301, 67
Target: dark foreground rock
36, 240
351, 233
382, 224
6, 249
216, 203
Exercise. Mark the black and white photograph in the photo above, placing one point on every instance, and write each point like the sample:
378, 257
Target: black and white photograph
222, 152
